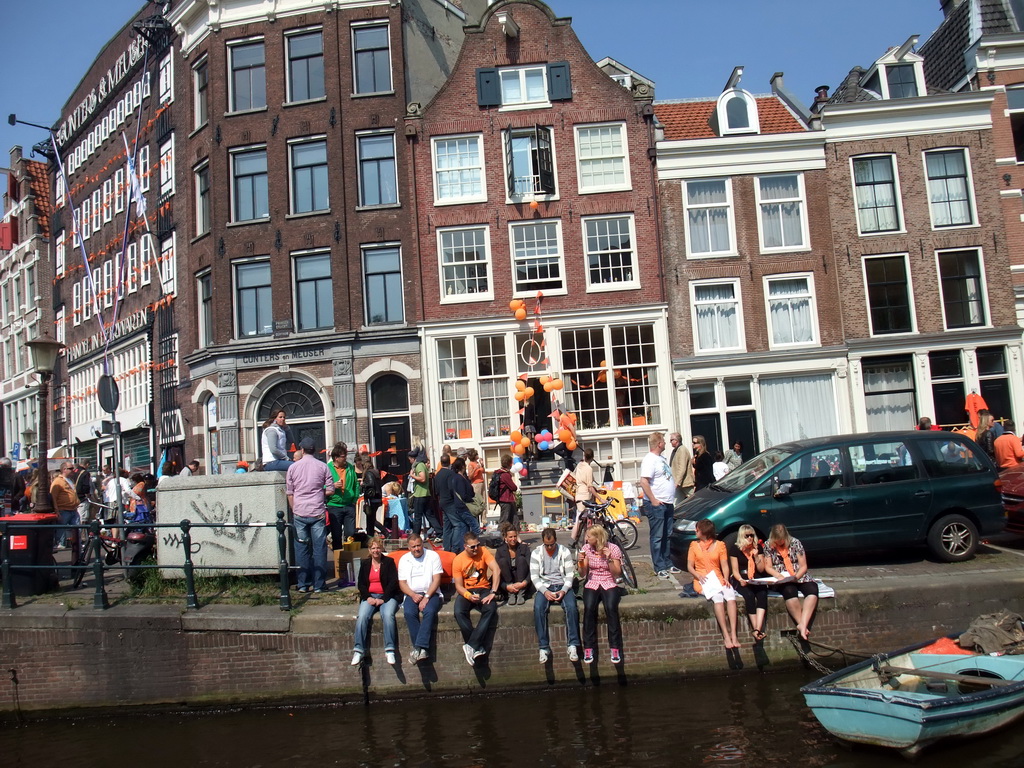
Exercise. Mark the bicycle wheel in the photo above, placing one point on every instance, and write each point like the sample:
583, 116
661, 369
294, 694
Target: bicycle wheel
628, 574
626, 530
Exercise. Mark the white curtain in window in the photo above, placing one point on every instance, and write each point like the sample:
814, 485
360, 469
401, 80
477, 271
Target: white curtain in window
947, 187
790, 308
889, 396
717, 316
709, 226
797, 407
781, 221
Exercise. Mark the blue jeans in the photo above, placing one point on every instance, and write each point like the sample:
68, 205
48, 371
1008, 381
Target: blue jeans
660, 517
311, 551
457, 523
470, 635
420, 511
67, 517
420, 632
278, 465
541, 606
387, 616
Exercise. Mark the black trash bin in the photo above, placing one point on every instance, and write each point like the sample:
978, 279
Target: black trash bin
30, 542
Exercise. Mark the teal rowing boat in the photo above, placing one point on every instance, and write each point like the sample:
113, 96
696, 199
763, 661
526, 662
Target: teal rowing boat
908, 699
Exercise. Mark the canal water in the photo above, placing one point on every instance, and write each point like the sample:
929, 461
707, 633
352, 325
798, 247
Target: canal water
742, 720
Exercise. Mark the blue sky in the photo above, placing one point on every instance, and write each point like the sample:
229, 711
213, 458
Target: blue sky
688, 47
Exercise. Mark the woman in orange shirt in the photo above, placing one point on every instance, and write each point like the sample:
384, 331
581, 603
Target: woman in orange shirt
708, 563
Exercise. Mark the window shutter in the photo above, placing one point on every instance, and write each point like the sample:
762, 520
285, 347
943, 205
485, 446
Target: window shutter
488, 89
559, 85
6, 236
545, 168
510, 167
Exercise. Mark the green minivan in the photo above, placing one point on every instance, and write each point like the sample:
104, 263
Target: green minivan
857, 492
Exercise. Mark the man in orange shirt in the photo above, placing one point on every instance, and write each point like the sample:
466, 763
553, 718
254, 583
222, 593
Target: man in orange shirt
476, 577
1009, 452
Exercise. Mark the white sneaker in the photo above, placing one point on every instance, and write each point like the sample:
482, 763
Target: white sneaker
357, 658
478, 654
545, 655
467, 649
573, 655
414, 656
422, 655
389, 657
664, 575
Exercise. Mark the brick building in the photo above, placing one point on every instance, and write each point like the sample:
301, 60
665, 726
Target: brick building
300, 275
533, 177
25, 311
921, 249
757, 344
115, 284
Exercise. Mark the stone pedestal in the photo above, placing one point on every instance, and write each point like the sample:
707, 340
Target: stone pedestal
253, 498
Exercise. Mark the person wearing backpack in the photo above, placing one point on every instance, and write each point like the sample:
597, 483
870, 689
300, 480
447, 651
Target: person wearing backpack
506, 492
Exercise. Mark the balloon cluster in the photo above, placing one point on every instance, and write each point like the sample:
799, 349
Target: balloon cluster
518, 307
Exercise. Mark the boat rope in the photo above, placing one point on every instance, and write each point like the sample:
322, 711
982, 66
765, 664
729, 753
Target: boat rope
805, 655
805, 650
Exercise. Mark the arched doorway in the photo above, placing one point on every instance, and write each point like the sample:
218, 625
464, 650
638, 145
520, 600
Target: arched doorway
391, 427
303, 408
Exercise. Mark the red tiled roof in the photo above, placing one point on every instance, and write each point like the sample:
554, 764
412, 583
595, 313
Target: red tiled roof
692, 119
39, 181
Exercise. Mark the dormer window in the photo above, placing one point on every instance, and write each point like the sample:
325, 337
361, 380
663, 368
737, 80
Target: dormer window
902, 81
899, 74
737, 113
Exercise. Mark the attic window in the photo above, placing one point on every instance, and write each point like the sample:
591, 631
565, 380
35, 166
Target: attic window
523, 87
902, 81
737, 113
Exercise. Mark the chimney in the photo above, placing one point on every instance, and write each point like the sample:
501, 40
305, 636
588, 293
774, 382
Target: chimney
821, 94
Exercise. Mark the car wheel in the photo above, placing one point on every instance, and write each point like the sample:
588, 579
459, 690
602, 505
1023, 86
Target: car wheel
953, 538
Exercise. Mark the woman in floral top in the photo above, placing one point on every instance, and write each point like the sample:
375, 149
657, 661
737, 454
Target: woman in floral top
787, 560
600, 564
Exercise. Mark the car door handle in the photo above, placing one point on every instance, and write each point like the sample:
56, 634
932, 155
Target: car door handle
922, 494
840, 503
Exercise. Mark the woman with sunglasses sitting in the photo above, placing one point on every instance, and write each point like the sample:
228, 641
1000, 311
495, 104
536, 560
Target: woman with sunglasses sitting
747, 559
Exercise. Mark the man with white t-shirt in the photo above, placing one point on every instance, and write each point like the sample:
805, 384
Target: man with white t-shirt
659, 503
419, 578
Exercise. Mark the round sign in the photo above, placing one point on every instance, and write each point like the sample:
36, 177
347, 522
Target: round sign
106, 392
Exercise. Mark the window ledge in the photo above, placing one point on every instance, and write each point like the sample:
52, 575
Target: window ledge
956, 227
897, 334
317, 100
711, 256
532, 292
197, 238
777, 251
521, 107
306, 214
466, 298
605, 189
720, 351
385, 206
247, 222
371, 95
527, 199
460, 201
887, 233
633, 285
384, 326
799, 345
241, 112
196, 131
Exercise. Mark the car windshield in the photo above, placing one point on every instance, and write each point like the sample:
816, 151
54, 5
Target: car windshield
749, 471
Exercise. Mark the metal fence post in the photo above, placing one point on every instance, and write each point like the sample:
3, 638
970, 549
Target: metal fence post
282, 545
191, 600
99, 598
8, 600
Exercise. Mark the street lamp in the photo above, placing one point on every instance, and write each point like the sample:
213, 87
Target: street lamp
44, 357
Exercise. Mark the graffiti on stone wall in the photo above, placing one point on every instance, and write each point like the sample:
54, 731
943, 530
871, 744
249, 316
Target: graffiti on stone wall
225, 537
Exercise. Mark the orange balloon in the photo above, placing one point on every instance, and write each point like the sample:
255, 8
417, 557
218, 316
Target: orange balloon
513, 305
545, 379
524, 443
518, 450
564, 435
520, 385
534, 204
519, 396
571, 445
548, 386
557, 383
604, 364
528, 392
520, 314
516, 436
602, 377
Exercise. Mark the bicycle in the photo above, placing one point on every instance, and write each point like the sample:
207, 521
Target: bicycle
622, 533
113, 546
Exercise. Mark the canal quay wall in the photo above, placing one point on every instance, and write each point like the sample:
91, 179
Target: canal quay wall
134, 655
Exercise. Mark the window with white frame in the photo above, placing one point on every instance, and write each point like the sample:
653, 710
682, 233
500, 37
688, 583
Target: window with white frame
201, 94
59, 322
889, 297
97, 210
167, 167
465, 257
709, 225
58, 193
717, 322
306, 65
308, 161
133, 267
610, 252
108, 283
963, 296
30, 285
146, 257
247, 62
736, 112
371, 54
378, 180
537, 257
458, 169
204, 293
108, 200
522, 86
89, 297
602, 159
493, 381
61, 254
314, 293
119, 190
85, 218
949, 188
251, 197
382, 285
902, 81
792, 317
168, 265
253, 299
876, 193
529, 164
783, 225
143, 169
202, 191
453, 381
165, 79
